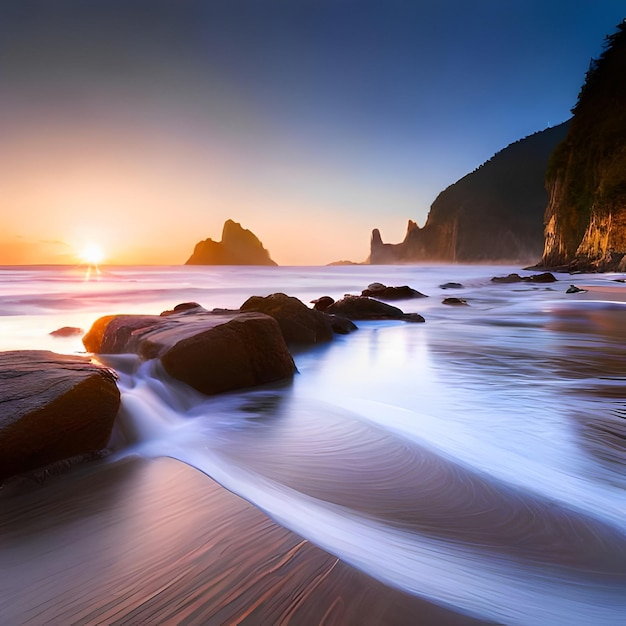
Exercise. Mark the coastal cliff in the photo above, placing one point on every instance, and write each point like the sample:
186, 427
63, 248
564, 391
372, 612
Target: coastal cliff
494, 213
585, 222
238, 246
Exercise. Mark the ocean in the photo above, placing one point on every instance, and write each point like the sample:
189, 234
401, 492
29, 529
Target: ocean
476, 460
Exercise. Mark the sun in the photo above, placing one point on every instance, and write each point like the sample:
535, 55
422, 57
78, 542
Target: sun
92, 254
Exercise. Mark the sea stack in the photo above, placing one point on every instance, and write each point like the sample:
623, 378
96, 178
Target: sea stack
238, 246
586, 215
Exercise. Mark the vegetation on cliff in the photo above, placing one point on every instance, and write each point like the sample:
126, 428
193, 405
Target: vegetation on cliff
586, 178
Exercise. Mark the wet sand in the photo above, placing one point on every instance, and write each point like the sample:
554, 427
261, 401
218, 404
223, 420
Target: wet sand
156, 542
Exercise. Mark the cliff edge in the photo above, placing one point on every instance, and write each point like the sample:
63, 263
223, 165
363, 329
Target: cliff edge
493, 214
585, 221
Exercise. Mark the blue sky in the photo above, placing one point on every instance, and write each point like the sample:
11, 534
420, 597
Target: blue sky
309, 121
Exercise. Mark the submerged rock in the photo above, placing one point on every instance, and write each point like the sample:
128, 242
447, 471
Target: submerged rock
67, 331
545, 277
382, 292
54, 407
574, 289
210, 352
455, 301
451, 286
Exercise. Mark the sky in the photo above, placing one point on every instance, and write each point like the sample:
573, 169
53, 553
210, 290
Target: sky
141, 126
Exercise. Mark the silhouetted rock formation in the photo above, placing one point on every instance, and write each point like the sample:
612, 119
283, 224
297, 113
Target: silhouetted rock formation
586, 215
54, 407
239, 246
493, 214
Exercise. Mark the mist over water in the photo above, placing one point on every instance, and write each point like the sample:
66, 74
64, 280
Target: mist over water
477, 460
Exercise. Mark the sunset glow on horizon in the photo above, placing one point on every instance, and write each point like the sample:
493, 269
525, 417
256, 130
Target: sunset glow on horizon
145, 127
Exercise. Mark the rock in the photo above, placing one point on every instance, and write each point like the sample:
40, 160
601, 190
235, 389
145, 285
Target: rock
321, 304
54, 407
185, 306
341, 325
451, 286
574, 289
210, 352
545, 277
455, 301
511, 278
67, 331
382, 292
299, 324
364, 308
238, 246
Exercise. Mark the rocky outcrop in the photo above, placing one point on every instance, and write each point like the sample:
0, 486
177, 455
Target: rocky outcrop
238, 246
585, 222
54, 407
383, 292
363, 308
299, 324
493, 214
210, 352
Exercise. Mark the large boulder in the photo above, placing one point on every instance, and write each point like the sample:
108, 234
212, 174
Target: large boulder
299, 324
211, 352
363, 308
54, 407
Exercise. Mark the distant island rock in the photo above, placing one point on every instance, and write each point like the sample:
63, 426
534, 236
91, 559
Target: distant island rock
493, 214
238, 246
586, 215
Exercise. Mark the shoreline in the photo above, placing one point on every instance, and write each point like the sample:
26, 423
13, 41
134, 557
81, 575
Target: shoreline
155, 541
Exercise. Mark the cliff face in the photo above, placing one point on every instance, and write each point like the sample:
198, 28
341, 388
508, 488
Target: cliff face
493, 214
586, 215
238, 246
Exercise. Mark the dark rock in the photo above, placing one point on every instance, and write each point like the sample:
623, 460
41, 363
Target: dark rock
67, 331
451, 286
574, 289
184, 306
455, 301
511, 278
341, 325
300, 324
321, 304
382, 292
54, 407
364, 308
238, 246
210, 352
545, 277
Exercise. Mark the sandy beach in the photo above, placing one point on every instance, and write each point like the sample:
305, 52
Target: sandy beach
157, 542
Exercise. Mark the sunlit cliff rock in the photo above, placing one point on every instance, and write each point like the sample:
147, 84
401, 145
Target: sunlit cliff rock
585, 222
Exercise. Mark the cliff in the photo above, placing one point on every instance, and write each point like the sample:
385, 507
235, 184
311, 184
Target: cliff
585, 222
493, 214
238, 246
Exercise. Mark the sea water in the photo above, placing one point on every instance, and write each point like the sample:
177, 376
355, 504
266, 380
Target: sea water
477, 460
